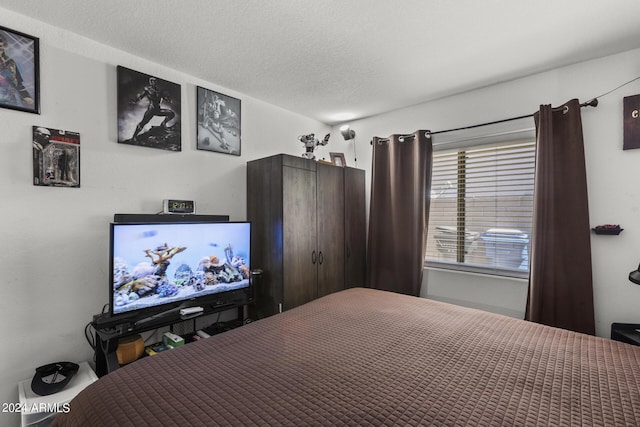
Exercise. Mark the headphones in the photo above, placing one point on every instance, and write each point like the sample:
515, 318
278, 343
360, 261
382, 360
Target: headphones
53, 377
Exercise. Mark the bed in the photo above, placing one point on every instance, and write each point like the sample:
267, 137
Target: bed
368, 357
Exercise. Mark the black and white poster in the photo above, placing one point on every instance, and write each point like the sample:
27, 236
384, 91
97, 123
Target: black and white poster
56, 157
218, 122
148, 111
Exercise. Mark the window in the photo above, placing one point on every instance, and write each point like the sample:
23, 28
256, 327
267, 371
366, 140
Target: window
480, 217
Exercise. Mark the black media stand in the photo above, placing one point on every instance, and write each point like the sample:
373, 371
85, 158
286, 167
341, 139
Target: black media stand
108, 333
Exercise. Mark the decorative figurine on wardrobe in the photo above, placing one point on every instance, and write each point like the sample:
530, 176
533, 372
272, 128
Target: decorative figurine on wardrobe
311, 142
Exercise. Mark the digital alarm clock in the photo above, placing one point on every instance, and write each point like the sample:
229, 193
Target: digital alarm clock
173, 206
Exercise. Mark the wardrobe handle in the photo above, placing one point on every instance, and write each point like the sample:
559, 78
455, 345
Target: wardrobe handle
320, 258
313, 257
348, 252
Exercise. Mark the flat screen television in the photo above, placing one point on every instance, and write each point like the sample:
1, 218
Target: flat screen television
157, 267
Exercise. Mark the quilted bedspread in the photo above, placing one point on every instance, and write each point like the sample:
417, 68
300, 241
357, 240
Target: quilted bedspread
367, 357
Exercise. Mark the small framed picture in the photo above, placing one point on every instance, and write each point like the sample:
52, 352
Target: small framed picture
218, 122
19, 71
56, 157
338, 159
148, 111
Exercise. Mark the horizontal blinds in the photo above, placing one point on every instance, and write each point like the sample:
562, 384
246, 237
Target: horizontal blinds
481, 206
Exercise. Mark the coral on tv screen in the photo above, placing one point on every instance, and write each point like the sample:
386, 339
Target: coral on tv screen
154, 265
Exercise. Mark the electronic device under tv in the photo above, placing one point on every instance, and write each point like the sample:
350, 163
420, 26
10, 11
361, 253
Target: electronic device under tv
157, 268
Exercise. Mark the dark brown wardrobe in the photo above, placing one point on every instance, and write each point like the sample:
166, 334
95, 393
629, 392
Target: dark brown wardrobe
308, 230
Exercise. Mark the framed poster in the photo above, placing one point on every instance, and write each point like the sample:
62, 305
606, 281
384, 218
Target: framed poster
218, 122
19, 71
56, 157
631, 107
148, 111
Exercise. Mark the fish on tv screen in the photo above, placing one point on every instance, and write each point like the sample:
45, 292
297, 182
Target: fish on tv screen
158, 264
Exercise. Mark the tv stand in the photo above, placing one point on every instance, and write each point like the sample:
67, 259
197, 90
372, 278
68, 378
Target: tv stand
109, 331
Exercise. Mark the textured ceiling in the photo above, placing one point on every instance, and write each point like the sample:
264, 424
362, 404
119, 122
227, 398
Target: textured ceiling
329, 59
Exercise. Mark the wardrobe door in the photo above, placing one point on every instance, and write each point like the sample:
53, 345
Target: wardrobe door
355, 227
264, 210
330, 201
300, 253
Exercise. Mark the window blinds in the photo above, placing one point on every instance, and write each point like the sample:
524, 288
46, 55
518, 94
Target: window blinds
480, 217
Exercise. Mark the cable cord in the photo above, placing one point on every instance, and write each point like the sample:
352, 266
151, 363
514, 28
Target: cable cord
613, 90
355, 155
90, 337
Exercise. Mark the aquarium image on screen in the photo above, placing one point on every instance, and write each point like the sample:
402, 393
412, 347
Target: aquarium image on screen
158, 264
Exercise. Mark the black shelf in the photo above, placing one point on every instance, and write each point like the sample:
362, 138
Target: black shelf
608, 231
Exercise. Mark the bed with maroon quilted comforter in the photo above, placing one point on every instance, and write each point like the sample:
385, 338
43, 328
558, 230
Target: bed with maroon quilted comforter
368, 357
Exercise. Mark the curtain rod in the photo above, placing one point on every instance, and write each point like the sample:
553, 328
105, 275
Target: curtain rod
591, 103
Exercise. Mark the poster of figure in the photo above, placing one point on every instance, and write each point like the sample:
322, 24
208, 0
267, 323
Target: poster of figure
56, 157
148, 111
218, 122
19, 71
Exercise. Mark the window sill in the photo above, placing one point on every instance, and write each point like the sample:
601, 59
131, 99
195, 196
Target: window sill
484, 271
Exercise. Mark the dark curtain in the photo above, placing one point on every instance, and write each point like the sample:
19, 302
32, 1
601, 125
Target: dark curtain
399, 212
560, 282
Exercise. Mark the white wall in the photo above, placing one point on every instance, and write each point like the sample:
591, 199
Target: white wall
55, 240
613, 176
502, 295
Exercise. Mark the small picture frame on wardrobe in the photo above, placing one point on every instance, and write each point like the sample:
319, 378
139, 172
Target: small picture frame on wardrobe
338, 159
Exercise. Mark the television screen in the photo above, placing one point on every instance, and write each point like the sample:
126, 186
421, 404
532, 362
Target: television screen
158, 264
